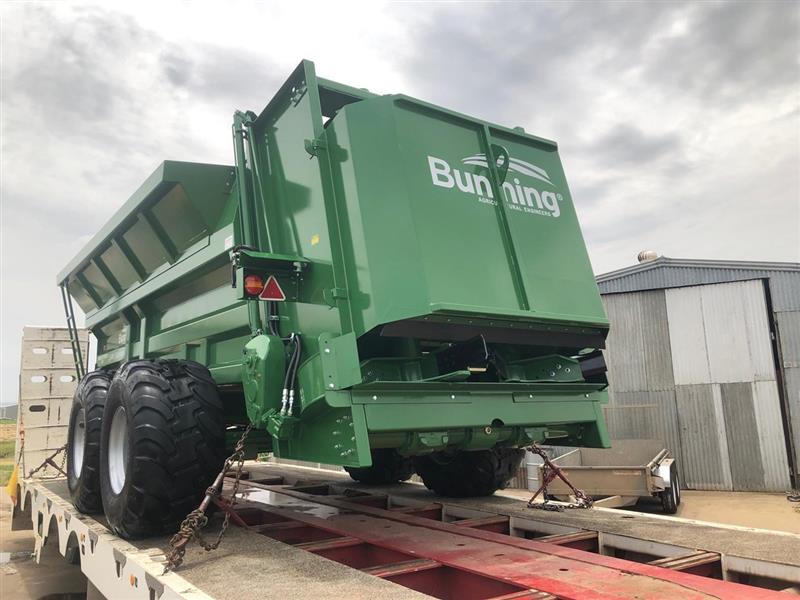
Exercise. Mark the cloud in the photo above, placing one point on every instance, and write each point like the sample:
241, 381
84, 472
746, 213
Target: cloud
220, 75
97, 101
625, 144
730, 53
542, 63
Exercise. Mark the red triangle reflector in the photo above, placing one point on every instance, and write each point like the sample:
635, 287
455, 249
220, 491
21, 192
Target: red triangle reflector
272, 290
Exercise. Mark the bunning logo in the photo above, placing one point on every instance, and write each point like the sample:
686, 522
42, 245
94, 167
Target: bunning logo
518, 196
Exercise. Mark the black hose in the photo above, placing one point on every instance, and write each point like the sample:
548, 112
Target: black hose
297, 362
294, 361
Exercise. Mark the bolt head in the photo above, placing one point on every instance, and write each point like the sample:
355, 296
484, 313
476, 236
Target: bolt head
327, 350
330, 385
452, 396
374, 397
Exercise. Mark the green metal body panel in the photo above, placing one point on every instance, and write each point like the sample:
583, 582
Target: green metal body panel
264, 367
400, 233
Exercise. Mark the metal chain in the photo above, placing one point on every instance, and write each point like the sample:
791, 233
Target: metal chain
63, 459
550, 472
49, 461
196, 520
21, 454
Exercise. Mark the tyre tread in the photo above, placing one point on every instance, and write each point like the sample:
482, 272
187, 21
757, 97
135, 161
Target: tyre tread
179, 443
91, 393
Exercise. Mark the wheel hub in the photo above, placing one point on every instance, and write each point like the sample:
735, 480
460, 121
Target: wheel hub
118, 450
78, 442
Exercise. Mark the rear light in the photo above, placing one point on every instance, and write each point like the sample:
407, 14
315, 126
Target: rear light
253, 284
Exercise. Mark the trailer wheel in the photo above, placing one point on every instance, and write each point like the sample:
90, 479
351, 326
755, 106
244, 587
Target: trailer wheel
467, 474
83, 441
162, 445
387, 467
670, 497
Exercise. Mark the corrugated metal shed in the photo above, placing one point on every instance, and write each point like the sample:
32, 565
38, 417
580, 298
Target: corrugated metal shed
784, 278
741, 400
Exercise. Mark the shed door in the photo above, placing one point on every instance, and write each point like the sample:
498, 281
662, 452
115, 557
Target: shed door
728, 408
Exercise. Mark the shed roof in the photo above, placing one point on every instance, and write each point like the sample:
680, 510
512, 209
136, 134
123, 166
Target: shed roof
665, 261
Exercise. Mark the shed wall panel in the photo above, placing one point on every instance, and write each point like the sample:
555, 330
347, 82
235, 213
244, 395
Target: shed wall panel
638, 342
788, 324
687, 336
737, 332
785, 291
770, 436
759, 329
741, 429
792, 381
705, 449
656, 341
625, 344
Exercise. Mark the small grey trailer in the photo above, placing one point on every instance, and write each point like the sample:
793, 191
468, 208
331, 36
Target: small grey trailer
620, 475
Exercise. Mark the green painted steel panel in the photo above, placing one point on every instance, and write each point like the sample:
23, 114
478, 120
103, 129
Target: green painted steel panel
423, 228
123, 271
181, 221
547, 236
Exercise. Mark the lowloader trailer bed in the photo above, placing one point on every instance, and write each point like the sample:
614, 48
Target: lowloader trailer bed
314, 533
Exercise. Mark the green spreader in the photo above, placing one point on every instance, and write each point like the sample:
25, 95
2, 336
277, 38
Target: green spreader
376, 279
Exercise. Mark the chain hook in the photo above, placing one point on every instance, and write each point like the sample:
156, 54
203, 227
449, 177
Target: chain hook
550, 472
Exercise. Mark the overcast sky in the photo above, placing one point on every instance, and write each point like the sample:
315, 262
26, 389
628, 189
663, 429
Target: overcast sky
678, 123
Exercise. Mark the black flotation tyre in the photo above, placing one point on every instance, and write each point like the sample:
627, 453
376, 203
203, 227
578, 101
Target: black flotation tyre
83, 441
162, 445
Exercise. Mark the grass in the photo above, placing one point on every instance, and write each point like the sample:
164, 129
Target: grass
7, 444
6, 468
7, 449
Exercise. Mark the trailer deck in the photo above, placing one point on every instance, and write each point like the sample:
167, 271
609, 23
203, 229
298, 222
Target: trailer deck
308, 532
